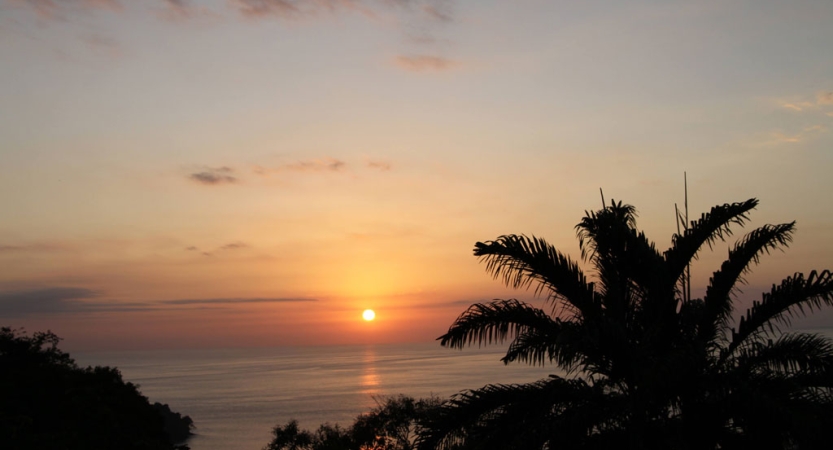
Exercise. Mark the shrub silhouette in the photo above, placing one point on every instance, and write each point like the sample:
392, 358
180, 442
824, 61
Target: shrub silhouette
392, 425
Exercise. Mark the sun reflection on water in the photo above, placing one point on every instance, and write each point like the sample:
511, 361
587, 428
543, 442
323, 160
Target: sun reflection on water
370, 379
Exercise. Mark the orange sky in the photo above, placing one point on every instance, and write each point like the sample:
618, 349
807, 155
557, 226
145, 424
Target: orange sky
214, 174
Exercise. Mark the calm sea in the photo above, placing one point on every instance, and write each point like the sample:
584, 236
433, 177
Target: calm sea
236, 396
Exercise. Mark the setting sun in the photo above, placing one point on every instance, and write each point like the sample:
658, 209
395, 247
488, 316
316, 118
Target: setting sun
368, 315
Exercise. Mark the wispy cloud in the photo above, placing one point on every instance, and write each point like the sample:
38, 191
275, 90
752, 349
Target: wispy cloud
265, 8
440, 11
302, 9
36, 247
214, 176
57, 9
227, 247
177, 10
326, 164
379, 165
779, 137
424, 63
75, 300
234, 246
317, 165
51, 300
797, 106
193, 248
420, 20
234, 301
823, 98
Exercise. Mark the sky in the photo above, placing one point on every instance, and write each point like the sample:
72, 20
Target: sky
227, 173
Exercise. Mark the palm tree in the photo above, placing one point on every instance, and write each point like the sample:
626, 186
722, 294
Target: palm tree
646, 367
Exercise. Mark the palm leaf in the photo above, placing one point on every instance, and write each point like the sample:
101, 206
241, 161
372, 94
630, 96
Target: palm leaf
521, 261
594, 232
495, 322
793, 353
559, 342
778, 306
515, 416
629, 267
717, 301
711, 226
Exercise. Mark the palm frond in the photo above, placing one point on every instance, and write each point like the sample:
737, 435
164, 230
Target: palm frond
778, 306
717, 301
512, 416
594, 230
521, 261
560, 342
628, 265
706, 230
495, 322
791, 353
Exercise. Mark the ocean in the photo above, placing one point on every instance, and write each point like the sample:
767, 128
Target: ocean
236, 396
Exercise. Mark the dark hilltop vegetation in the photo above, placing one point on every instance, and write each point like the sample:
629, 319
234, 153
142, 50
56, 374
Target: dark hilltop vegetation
48, 402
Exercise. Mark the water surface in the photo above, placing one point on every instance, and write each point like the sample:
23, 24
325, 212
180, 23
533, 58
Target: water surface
236, 396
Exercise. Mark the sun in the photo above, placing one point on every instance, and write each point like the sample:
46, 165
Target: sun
368, 315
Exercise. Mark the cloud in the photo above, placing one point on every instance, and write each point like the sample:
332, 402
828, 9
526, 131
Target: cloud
75, 300
214, 176
781, 138
465, 303
193, 248
57, 9
234, 246
424, 63
317, 165
234, 301
797, 106
26, 248
178, 10
778, 137
227, 247
823, 98
420, 16
44, 300
264, 8
326, 164
379, 165
438, 11
295, 9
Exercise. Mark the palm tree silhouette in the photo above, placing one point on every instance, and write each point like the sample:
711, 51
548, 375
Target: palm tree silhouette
646, 367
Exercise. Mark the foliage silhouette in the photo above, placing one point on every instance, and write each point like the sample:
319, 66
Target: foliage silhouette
48, 402
177, 426
391, 425
645, 369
